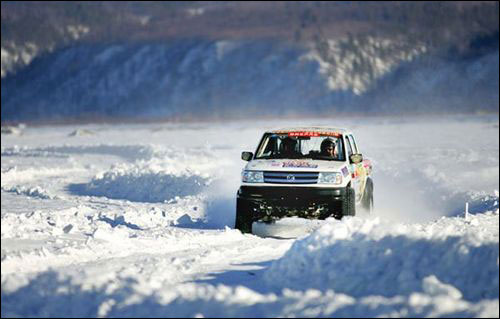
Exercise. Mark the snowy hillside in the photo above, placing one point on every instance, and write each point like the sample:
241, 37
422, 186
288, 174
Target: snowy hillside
137, 221
237, 78
185, 77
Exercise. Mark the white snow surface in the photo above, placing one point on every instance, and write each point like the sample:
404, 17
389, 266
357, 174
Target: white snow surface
136, 220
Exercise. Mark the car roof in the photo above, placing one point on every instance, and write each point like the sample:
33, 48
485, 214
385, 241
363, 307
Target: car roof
315, 129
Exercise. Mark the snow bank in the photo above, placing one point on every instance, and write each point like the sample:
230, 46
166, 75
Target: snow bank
58, 294
395, 259
145, 184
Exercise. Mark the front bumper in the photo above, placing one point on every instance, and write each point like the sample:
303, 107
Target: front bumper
274, 202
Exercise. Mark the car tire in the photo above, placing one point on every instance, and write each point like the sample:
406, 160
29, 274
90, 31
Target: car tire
243, 220
367, 201
349, 202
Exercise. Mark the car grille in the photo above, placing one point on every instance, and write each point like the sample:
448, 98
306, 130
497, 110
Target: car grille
291, 177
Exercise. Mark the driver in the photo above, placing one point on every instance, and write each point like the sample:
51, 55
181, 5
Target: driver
328, 148
288, 147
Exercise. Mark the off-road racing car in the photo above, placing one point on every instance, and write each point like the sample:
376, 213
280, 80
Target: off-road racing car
306, 172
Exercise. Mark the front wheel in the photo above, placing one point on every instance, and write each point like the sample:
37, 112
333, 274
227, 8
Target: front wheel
243, 220
367, 200
349, 203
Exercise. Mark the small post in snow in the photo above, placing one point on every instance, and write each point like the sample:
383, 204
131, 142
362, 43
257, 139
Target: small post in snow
466, 210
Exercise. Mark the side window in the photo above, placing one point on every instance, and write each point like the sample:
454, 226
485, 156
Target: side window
353, 144
349, 148
340, 149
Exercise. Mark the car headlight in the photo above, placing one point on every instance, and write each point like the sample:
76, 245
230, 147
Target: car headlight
252, 177
330, 178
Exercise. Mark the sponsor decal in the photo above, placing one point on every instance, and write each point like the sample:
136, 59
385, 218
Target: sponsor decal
313, 134
367, 164
299, 164
336, 134
354, 172
299, 134
345, 171
275, 164
358, 170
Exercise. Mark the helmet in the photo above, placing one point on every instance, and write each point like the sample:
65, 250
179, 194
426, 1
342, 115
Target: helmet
288, 144
327, 142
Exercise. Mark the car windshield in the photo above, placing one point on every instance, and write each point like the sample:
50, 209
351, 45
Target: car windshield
301, 145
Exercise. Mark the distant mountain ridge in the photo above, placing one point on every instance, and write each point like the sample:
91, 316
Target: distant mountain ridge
225, 79
231, 59
30, 28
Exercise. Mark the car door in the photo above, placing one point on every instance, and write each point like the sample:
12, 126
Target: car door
358, 171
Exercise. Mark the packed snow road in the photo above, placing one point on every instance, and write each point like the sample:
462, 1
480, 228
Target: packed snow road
137, 221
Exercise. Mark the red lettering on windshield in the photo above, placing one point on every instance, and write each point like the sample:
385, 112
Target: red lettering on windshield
313, 134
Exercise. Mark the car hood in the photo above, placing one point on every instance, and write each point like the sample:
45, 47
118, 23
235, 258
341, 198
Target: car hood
300, 165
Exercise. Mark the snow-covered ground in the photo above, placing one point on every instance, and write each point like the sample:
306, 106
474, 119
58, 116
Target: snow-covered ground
137, 221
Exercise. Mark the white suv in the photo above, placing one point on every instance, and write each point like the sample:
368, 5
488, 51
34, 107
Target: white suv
308, 172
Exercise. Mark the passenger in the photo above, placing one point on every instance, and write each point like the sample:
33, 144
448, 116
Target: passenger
328, 148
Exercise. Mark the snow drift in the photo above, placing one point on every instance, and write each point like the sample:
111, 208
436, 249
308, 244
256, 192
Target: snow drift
154, 186
395, 259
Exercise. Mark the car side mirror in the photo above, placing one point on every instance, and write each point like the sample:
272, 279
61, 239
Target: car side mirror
246, 156
356, 158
